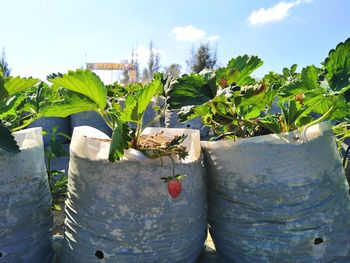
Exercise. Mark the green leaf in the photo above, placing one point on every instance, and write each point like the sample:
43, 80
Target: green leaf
18, 84
57, 148
270, 123
293, 69
3, 92
146, 95
41, 96
337, 66
321, 103
286, 72
309, 78
120, 142
56, 207
7, 141
84, 82
238, 70
129, 111
309, 82
10, 106
71, 103
191, 89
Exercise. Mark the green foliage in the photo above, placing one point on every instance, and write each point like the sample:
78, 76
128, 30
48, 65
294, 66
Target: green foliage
12, 100
58, 180
238, 71
69, 103
86, 83
82, 90
337, 66
120, 142
7, 141
18, 84
290, 73
243, 107
191, 89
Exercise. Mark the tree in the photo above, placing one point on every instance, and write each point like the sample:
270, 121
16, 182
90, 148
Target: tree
3, 64
145, 75
125, 74
135, 61
204, 57
174, 70
153, 64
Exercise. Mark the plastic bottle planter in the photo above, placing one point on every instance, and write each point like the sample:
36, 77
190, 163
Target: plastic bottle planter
279, 198
123, 213
48, 124
172, 121
90, 118
25, 202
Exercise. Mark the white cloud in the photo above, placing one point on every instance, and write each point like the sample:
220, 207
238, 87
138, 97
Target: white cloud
214, 38
188, 33
274, 13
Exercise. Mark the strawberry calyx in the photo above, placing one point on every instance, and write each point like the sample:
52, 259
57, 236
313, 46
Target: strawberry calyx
177, 177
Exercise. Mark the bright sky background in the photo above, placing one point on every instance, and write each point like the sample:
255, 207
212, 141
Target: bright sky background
45, 36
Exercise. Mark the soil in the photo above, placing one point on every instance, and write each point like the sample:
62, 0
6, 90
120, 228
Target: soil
149, 141
99, 139
152, 141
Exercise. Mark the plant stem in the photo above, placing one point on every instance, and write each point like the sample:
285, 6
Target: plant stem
106, 118
345, 156
223, 135
323, 117
138, 133
23, 125
172, 159
156, 118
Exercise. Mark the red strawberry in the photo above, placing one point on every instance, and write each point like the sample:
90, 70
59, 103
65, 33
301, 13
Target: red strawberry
174, 184
174, 187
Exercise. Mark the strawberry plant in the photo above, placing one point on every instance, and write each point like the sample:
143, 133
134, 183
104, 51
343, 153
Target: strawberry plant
82, 90
12, 101
58, 179
234, 104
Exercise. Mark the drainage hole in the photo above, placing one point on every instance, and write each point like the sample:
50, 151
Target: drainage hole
188, 125
99, 254
318, 241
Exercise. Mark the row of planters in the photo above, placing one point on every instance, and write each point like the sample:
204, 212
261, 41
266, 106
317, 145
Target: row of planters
276, 187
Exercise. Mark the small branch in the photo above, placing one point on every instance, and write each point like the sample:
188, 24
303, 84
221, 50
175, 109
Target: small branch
156, 118
345, 156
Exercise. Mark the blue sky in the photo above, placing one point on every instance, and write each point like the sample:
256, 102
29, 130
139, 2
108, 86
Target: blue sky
44, 36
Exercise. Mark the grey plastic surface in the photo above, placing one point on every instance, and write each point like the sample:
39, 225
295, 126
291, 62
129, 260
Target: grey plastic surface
25, 202
49, 123
124, 210
90, 118
277, 198
172, 121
